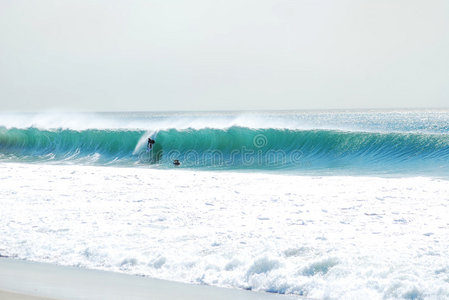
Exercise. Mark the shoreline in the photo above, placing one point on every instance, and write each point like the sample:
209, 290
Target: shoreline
26, 280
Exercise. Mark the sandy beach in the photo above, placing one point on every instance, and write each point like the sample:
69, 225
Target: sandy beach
16, 296
24, 280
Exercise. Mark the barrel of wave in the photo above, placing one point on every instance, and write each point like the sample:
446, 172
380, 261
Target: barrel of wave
142, 151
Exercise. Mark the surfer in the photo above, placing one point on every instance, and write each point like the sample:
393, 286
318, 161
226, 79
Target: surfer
150, 143
176, 162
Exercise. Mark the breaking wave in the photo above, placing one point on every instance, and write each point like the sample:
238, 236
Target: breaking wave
232, 148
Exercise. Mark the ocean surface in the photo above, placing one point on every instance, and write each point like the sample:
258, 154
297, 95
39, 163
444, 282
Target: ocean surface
322, 204
390, 142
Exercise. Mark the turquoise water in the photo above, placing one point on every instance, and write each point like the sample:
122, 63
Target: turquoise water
415, 142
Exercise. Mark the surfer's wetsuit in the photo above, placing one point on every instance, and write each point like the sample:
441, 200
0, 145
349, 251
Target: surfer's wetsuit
150, 143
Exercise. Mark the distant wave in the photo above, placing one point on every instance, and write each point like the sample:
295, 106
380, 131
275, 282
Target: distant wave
232, 148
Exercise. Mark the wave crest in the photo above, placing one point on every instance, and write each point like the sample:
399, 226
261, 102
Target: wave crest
232, 148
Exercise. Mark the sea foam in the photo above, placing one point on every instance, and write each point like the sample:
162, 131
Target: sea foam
321, 237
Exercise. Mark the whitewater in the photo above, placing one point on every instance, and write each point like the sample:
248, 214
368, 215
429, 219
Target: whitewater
335, 205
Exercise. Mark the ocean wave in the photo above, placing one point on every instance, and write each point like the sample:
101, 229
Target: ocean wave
231, 148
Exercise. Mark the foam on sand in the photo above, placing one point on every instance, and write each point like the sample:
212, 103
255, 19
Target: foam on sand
321, 237
24, 280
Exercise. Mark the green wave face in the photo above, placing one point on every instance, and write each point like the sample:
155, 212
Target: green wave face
233, 148
100, 146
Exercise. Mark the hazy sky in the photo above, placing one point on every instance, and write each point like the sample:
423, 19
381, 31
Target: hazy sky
233, 54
